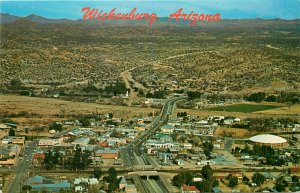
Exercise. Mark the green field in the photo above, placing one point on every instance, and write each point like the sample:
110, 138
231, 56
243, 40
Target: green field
244, 108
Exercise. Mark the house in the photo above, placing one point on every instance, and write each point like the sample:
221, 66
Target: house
4, 154
4, 126
163, 137
294, 169
79, 189
179, 162
83, 141
187, 146
197, 179
38, 156
216, 189
93, 181
207, 162
35, 180
13, 140
269, 176
14, 150
107, 153
296, 137
77, 181
141, 127
130, 188
193, 156
189, 189
157, 144
122, 183
167, 129
56, 187
48, 142
18, 140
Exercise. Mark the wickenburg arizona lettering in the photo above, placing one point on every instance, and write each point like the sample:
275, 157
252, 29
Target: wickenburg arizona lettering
95, 14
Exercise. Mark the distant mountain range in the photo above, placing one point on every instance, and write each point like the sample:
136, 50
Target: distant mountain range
7, 18
35, 19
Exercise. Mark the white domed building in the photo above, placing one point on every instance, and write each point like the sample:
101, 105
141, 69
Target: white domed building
269, 140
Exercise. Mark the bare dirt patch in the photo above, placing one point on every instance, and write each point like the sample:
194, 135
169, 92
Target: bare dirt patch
232, 132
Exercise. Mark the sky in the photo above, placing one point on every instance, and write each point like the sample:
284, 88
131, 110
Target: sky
229, 9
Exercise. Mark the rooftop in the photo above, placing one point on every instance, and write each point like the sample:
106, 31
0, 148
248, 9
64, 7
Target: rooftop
267, 138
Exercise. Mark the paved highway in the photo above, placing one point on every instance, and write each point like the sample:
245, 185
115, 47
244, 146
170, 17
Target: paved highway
160, 121
21, 168
129, 153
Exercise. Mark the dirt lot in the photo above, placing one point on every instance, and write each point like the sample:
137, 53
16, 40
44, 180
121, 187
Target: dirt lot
232, 132
47, 106
49, 109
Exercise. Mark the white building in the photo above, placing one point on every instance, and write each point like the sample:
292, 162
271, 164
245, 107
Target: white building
49, 142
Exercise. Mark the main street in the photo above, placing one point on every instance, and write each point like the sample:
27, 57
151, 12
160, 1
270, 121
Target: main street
22, 167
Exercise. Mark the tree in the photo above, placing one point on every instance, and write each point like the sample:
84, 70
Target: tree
178, 180
76, 162
26, 188
215, 182
193, 95
86, 159
205, 186
257, 97
48, 160
183, 178
81, 159
112, 179
237, 150
85, 122
112, 174
246, 149
141, 93
207, 172
11, 132
233, 181
15, 83
207, 148
112, 187
280, 187
55, 126
258, 178
97, 173
26, 130
246, 180
110, 115
159, 94
271, 98
295, 179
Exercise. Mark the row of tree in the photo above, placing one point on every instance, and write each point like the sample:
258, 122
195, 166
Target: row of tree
283, 97
157, 95
79, 161
206, 185
265, 124
261, 151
